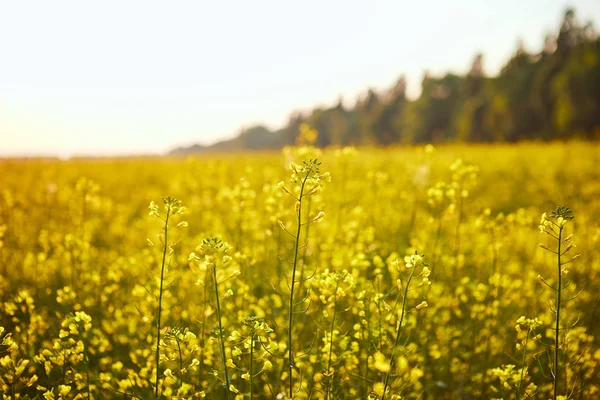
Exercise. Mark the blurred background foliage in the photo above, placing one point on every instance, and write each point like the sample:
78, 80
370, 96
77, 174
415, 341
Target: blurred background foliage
554, 94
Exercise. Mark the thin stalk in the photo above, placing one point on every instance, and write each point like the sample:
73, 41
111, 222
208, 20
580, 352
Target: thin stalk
291, 305
380, 324
303, 258
367, 341
251, 361
180, 362
398, 334
87, 376
221, 343
278, 251
160, 294
306, 233
331, 340
557, 322
203, 330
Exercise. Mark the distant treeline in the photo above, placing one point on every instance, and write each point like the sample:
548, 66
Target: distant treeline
554, 94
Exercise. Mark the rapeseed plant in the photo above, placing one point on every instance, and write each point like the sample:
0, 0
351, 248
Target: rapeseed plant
12, 369
215, 255
554, 226
69, 247
413, 263
259, 336
307, 180
172, 207
331, 287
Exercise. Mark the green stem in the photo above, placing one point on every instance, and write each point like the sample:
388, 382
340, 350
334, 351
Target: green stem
180, 363
331, 339
291, 303
87, 375
380, 334
203, 330
303, 258
251, 372
367, 341
160, 294
557, 322
398, 334
221, 343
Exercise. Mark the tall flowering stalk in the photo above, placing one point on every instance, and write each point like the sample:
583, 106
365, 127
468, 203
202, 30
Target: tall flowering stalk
530, 325
172, 206
333, 287
554, 226
259, 336
412, 263
307, 180
215, 255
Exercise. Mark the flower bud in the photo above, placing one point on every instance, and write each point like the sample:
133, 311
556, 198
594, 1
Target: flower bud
320, 215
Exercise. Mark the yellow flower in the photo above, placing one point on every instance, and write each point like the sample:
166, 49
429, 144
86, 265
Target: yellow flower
414, 260
416, 374
153, 209
118, 366
381, 364
378, 389
63, 390
267, 366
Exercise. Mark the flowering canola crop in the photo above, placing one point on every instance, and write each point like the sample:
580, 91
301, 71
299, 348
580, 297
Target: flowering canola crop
463, 272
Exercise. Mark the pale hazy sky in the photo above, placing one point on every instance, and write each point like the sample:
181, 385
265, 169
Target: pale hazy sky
121, 77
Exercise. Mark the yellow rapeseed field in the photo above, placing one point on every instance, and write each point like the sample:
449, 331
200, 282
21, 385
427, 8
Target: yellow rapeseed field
409, 273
